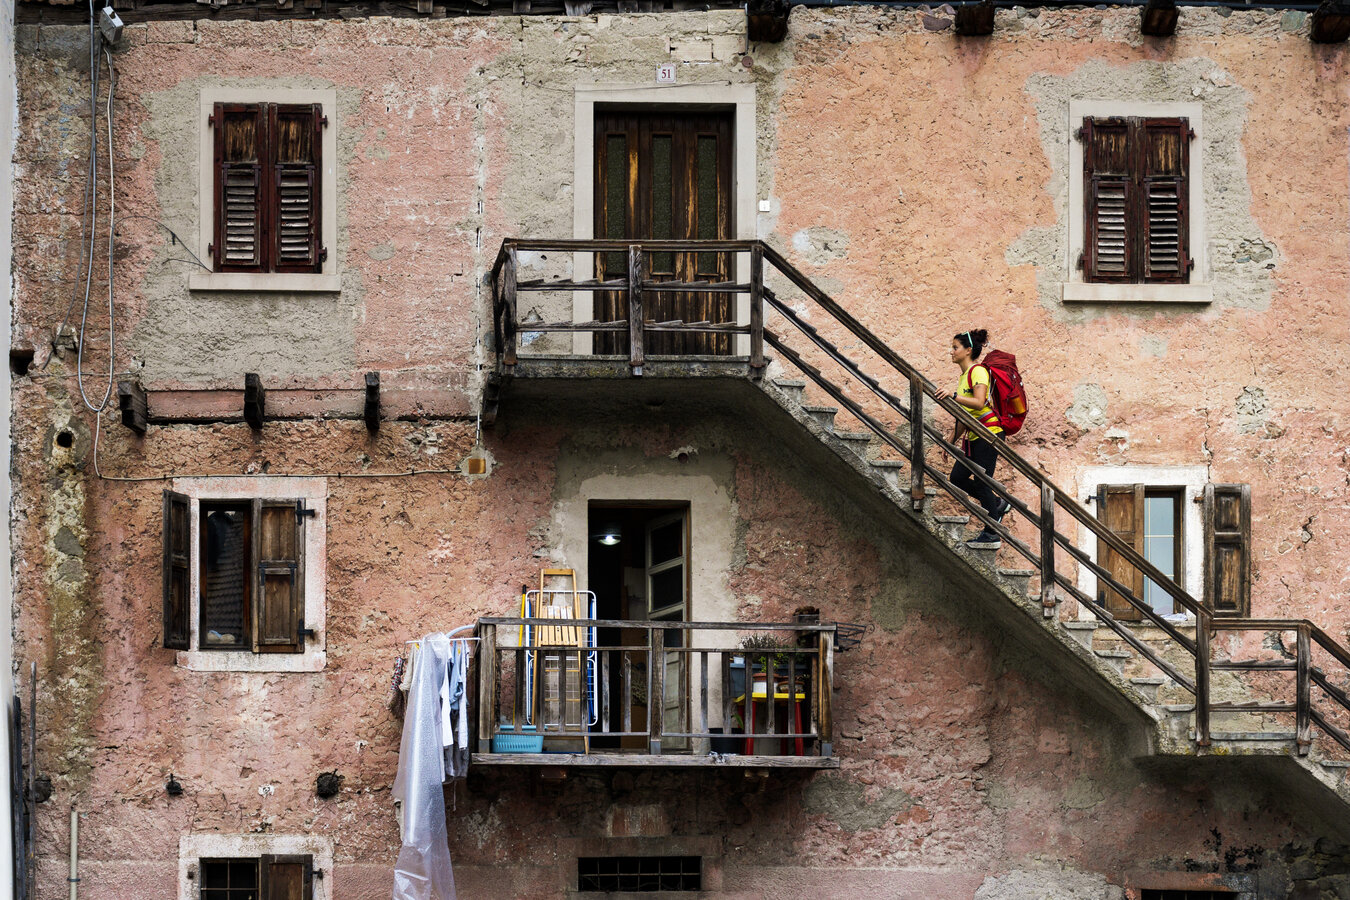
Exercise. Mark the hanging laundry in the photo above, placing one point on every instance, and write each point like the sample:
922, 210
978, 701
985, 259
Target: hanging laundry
423, 870
455, 713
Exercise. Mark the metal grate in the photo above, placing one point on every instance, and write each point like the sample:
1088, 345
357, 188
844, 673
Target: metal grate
229, 879
1207, 894
640, 873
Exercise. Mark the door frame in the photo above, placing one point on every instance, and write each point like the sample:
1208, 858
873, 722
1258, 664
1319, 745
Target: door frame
740, 97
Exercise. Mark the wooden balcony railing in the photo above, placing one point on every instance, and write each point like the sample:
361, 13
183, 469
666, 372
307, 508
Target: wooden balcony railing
686, 690
911, 418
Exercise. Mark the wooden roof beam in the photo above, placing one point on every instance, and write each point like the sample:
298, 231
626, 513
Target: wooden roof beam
1158, 18
975, 19
1330, 23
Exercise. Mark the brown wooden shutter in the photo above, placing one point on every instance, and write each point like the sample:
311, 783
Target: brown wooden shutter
1164, 168
286, 877
296, 144
1121, 509
177, 603
1228, 556
1109, 191
239, 243
278, 553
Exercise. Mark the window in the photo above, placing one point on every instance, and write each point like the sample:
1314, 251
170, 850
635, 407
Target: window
1206, 894
1136, 203
266, 197
634, 874
263, 878
257, 866
1197, 534
267, 190
1136, 183
238, 573
1148, 519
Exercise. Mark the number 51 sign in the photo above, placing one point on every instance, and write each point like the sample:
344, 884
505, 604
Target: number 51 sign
665, 74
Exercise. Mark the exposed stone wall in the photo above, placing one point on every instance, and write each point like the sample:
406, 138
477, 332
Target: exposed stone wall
920, 178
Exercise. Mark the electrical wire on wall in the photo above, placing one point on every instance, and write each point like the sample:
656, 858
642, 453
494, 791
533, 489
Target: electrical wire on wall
100, 53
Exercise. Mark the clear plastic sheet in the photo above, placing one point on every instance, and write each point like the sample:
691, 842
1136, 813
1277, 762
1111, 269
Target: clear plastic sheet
423, 870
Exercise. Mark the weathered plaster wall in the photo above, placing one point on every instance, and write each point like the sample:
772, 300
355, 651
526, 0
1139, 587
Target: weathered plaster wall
967, 759
917, 176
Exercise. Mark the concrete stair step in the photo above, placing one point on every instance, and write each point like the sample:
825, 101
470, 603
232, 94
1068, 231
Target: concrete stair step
1148, 687
862, 437
1020, 578
953, 527
1116, 658
822, 414
1082, 632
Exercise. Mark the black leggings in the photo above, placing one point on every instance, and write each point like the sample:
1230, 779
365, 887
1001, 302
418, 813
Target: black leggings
982, 454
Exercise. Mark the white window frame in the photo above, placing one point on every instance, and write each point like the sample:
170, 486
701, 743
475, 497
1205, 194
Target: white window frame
1190, 479
314, 491
192, 848
1199, 288
290, 282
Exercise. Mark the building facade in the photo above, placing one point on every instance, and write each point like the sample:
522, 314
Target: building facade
1158, 228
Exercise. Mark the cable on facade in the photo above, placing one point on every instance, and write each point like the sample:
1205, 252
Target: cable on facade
112, 213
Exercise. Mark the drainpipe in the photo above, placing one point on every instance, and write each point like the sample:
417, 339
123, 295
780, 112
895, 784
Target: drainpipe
74, 852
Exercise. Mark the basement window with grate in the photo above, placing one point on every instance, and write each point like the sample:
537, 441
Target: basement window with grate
639, 874
1207, 894
269, 877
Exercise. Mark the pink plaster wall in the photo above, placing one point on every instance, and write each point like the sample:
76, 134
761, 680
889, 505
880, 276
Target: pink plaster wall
963, 756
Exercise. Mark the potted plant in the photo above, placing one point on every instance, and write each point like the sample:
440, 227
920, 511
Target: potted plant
764, 656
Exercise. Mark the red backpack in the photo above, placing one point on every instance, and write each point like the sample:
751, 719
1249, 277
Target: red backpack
1009, 397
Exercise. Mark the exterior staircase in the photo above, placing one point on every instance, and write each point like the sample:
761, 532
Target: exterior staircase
1191, 702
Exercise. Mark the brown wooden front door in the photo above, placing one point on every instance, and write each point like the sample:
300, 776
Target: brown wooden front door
665, 175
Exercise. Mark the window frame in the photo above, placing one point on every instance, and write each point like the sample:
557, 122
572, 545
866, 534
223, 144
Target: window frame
193, 848
1198, 287
1190, 481
313, 573
328, 279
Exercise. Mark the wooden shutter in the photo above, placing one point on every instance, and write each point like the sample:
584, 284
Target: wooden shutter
1121, 509
1136, 176
177, 629
1228, 556
1108, 251
295, 186
239, 243
286, 877
278, 553
1164, 167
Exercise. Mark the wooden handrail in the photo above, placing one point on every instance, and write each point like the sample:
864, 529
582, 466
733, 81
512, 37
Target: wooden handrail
1041, 515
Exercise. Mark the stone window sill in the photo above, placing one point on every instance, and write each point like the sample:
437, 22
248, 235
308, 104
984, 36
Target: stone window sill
286, 283
232, 661
1080, 292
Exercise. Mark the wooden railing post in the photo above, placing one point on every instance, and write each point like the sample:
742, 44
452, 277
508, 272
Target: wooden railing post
1303, 697
916, 493
509, 272
756, 310
656, 693
487, 686
1202, 679
824, 690
635, 312
1048, 596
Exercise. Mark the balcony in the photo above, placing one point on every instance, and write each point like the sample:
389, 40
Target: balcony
588, 693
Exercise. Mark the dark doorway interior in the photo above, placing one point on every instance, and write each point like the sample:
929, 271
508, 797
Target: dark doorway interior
638, 567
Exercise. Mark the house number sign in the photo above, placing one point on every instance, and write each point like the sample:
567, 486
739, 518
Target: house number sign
665, 74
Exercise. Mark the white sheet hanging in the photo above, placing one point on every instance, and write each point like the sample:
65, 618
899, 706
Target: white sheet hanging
423, 870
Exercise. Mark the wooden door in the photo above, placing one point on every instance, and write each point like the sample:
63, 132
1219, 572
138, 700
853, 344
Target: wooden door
665, 175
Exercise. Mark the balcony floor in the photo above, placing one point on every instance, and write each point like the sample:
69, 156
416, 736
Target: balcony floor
649, 761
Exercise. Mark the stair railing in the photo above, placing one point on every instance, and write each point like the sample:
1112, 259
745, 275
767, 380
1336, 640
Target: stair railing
1052, 546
